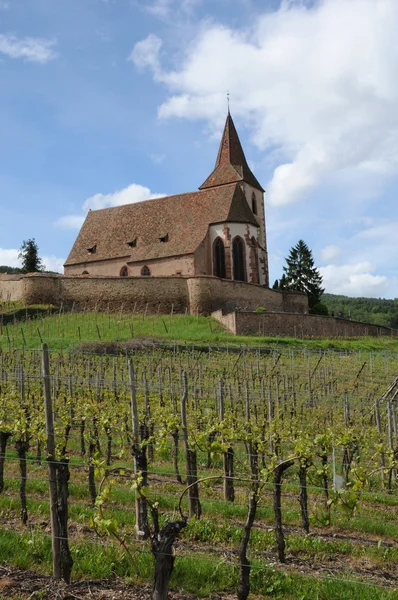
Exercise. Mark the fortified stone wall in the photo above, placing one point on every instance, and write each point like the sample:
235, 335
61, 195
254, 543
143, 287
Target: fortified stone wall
11, 287
294, 325
196, 294
115, 293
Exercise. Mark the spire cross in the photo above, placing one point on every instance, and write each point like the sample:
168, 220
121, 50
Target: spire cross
228, 100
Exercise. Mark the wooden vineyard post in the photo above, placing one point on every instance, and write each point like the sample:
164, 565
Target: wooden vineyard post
195, 508
140, 462
52, 469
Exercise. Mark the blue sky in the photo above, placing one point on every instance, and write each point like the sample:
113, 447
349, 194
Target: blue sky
104, 102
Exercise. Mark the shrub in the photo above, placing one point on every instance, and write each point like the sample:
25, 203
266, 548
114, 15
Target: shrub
319, 309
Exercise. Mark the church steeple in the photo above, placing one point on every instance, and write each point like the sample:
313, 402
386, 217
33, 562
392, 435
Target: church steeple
231, 165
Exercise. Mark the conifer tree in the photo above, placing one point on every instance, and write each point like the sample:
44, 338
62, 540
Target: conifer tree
301, 273
29, 256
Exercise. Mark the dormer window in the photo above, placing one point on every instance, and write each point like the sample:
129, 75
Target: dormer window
133, 243
92, 250
164, 238
254, 204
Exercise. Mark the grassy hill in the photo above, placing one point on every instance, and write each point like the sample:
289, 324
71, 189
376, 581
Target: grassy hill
371, 310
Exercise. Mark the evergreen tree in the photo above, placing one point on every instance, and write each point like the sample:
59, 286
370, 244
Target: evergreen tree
301, 273
29, 257
283, 284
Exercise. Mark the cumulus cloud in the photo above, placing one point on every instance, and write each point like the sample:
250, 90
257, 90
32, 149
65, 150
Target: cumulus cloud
29, 49
314, 82
330, 254
354, 280
129, 195
9, 258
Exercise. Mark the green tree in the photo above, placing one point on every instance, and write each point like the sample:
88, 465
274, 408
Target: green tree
10, 270
29, 256
301, 274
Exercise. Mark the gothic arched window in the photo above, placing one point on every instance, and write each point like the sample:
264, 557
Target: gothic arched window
219, 258
238, 257
254, 204
145, 271
124, 271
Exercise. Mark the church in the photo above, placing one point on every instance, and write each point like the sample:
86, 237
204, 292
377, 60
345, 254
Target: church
218, 230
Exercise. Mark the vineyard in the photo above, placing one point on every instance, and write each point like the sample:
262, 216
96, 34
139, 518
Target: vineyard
273, 471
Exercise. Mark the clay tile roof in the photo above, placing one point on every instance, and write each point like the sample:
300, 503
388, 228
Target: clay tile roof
231, 164
185, 218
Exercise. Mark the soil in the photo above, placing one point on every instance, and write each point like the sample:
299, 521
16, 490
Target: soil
16, 584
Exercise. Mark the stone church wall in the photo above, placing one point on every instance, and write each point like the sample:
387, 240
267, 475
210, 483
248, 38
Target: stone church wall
160, 267
200, 295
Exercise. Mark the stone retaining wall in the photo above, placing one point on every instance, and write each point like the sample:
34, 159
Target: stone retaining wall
298, 326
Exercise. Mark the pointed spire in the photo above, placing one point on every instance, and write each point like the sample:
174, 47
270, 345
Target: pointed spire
231, 164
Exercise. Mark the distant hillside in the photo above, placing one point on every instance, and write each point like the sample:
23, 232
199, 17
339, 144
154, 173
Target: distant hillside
370, 310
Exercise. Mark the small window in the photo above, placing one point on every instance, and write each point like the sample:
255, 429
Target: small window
133, 243
145, 271
254, 204
92, 250
85, 273
164, 238
124, 271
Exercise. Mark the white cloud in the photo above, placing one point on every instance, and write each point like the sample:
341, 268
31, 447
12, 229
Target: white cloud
330, 254
9, 258
30, 49
146, 53
129, 195
354, 280
52, 263
316, 83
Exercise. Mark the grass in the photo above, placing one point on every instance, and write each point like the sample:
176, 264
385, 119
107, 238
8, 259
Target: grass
69, 330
